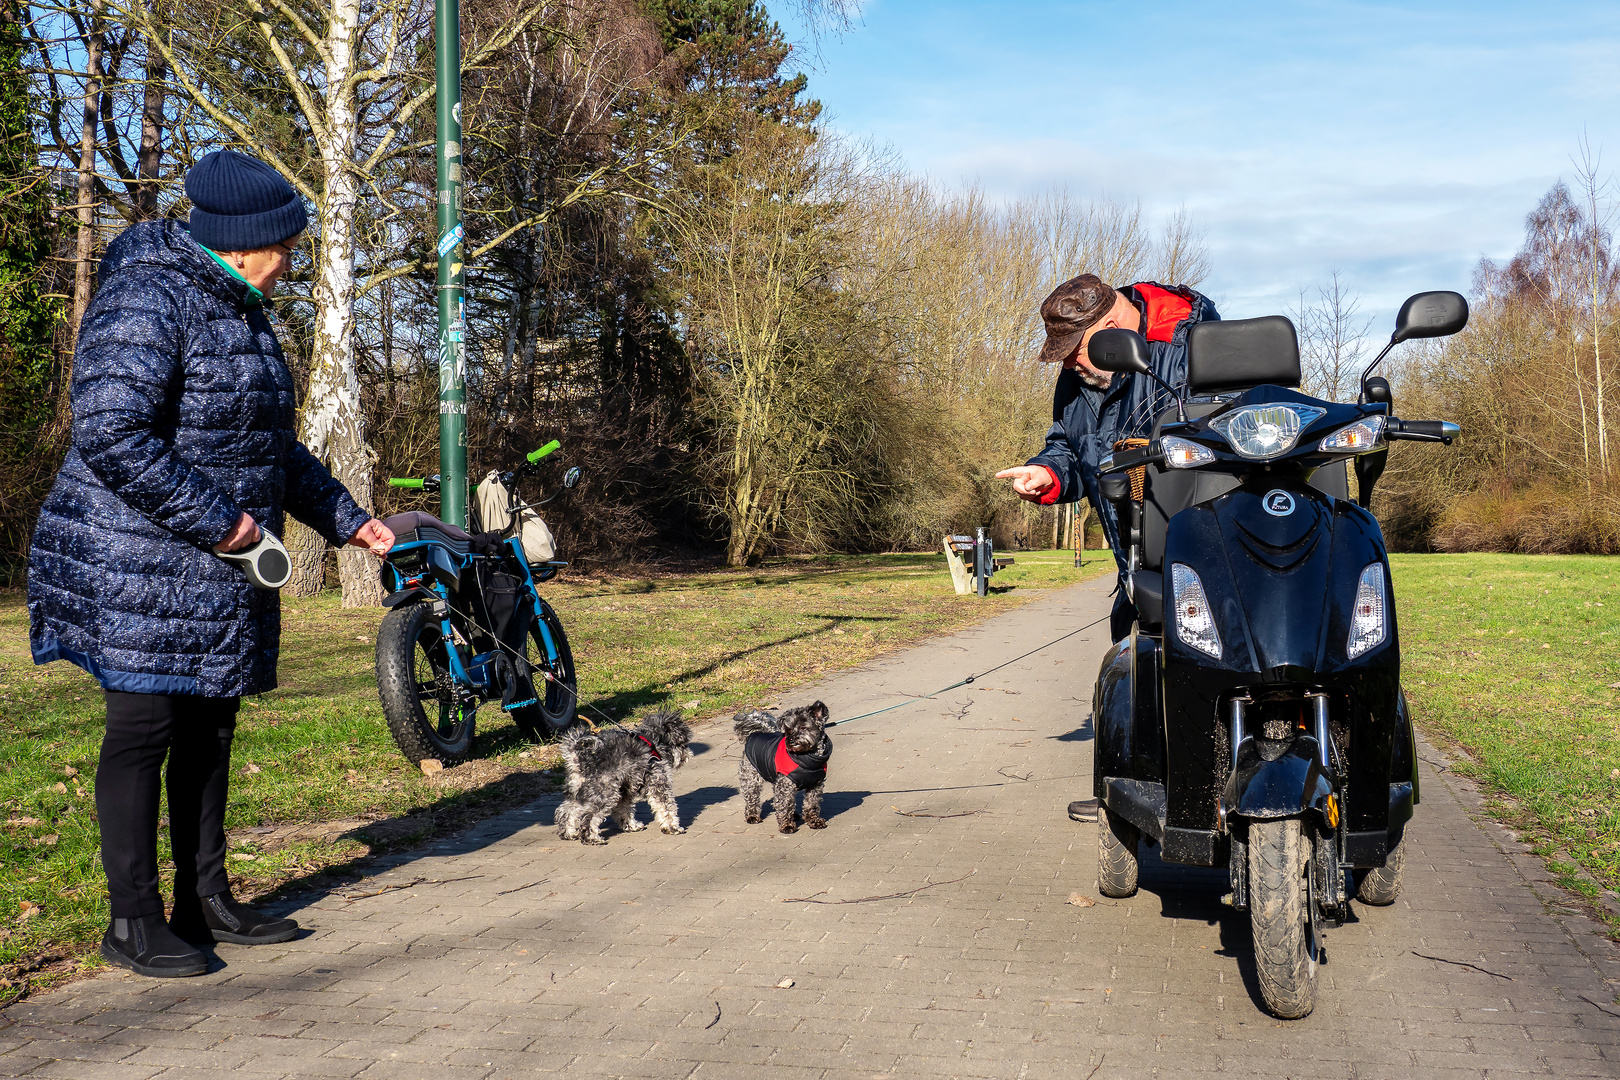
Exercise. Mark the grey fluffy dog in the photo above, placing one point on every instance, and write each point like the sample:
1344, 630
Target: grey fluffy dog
611, 770
790, 753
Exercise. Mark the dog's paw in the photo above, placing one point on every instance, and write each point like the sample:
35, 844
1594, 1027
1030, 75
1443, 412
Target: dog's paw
789, 828
634, 826
593, 840
753, 820
565, 834
817, 824
671, 832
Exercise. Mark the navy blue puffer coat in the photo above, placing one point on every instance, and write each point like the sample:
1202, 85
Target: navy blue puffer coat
183, 418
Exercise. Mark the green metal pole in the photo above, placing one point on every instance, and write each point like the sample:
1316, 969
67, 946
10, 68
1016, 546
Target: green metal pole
452, 272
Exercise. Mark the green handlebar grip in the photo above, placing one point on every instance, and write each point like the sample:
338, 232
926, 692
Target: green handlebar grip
403, 481
544, 450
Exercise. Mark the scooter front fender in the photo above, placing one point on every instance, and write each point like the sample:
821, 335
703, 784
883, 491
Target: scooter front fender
1286, 787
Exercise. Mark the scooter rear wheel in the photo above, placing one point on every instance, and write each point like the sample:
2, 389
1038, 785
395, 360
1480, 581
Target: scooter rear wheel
1382, 884
1279, 876
1117, 862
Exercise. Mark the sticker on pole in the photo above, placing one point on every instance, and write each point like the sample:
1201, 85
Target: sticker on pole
450, 240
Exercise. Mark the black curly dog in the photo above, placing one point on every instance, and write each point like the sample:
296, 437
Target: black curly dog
790, 753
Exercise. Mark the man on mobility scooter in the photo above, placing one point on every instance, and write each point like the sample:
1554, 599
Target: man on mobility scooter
1093, 409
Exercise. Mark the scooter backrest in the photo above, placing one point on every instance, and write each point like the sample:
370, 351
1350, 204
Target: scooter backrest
1235, 354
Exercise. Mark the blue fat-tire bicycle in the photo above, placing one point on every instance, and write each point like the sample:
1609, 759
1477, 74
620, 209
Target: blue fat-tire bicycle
467, 626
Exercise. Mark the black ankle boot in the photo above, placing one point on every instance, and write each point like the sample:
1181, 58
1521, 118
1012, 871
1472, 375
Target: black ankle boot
241, 925
147, 947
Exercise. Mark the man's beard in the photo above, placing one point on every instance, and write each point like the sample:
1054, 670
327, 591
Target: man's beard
1097, 380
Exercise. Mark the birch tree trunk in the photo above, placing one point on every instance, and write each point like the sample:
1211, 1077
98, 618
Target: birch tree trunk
85, 248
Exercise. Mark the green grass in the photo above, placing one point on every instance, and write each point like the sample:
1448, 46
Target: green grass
1513, 660
319, 785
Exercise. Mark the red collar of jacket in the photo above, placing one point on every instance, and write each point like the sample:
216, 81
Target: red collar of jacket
1163, 307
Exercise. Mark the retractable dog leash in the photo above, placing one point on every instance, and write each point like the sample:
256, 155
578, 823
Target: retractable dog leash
265, 562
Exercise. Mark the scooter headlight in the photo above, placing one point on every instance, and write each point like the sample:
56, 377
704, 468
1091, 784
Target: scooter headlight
1368, 624
1184, 454
1265, 431
1195, 622
1361, 437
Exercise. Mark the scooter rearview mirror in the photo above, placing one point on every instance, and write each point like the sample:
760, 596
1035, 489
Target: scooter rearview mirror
1118, 350
1430, 314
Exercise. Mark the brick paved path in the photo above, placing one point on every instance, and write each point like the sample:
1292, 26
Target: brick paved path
661, 956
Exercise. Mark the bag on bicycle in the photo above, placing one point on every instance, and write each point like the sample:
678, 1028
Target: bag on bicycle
529, 528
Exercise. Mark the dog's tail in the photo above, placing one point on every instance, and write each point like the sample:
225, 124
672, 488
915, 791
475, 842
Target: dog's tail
753, 722
576, 742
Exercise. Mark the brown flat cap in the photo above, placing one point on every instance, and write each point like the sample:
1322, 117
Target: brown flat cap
1070, 311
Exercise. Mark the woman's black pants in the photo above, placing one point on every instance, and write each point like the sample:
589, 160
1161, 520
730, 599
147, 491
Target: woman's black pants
195, 734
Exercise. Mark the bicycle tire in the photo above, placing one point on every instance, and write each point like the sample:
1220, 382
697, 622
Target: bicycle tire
412, 671
559, 704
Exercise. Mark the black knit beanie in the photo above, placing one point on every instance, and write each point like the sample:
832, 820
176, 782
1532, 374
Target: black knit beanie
239, 203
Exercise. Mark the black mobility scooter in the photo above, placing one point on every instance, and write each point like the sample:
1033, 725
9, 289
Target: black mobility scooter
1254, 719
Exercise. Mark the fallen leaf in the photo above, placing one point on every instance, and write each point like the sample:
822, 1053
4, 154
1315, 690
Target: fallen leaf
251, 768
49, 840
430, 766
61, 788
70, 772
1614, 686
1614, 774
22, 821
1081, 900
27, 909
242, 856
694, 703
784, 984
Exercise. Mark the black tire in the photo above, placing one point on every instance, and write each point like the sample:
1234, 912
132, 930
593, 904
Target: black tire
1279, 869
1117, 862
558, 695
418, 694
1380, 885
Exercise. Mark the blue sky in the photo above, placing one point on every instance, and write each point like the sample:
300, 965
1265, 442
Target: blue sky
1395, 143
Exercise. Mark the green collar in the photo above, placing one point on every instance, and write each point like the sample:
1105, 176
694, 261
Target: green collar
255, 298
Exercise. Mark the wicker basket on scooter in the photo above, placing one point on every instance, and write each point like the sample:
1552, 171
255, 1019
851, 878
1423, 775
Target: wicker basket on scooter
1138, 475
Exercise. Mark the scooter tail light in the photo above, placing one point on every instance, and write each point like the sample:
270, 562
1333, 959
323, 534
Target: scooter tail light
1195, 621
1368, 621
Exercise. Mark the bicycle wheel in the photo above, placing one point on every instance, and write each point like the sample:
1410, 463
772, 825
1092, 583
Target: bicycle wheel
558, 694
418, 692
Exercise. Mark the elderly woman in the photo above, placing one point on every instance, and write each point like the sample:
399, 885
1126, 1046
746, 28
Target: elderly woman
183, 445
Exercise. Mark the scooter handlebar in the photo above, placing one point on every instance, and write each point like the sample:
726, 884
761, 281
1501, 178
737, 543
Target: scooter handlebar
1151, 454
1440, 431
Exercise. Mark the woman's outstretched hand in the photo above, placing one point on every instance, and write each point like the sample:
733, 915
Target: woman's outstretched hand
375, 537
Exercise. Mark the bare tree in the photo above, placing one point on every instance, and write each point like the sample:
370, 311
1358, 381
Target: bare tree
1332, 340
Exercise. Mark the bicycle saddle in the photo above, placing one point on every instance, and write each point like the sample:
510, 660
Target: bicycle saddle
416, 525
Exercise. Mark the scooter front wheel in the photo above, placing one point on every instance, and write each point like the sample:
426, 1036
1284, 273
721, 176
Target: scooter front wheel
1279, 915
1117, 862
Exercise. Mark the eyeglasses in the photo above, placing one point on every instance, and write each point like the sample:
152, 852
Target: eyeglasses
290, 251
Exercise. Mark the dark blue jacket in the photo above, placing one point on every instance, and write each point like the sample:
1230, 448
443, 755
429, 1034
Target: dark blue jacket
768, 752
183, 418
1086, 422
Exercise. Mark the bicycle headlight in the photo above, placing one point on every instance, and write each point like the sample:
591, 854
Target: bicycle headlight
1265, 431
1195, 622
1368, 622
1184, 454
1360, 437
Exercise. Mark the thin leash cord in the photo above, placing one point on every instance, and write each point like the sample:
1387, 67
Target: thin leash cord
970, 679
580, 704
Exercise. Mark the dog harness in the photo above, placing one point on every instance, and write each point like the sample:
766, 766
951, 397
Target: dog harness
768, 752
650, 747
